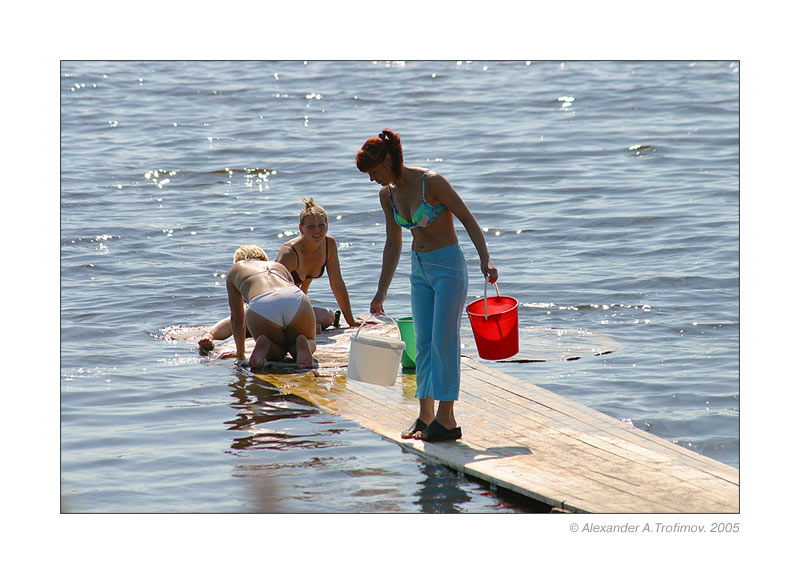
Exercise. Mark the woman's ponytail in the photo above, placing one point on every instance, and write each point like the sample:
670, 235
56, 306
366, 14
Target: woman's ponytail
375, 150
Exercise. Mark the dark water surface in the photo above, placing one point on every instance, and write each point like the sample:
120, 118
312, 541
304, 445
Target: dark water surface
608, 192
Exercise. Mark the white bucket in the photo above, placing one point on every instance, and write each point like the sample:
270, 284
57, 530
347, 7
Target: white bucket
374, 359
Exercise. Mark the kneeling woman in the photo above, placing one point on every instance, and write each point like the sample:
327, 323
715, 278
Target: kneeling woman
279, 314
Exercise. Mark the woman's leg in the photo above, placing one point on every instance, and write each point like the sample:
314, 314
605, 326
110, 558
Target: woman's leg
324, 317
450, 297
422, 311
422, 308
265, 350
270, 339
445, 361
426, 415
301, 334
449, 282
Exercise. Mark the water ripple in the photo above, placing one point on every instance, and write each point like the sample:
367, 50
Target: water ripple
608, 193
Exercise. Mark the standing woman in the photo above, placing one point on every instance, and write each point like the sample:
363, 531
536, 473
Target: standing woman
425, 202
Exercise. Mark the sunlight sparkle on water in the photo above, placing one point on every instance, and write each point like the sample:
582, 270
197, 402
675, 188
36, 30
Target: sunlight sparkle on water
566, 101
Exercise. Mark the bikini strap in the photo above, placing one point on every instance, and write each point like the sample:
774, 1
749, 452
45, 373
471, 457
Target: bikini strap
423, 185
246, 279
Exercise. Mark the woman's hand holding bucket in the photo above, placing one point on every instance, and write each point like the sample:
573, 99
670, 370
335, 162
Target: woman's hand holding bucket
376, 306
489, 270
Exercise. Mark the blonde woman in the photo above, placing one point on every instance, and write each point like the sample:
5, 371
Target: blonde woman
279, 314
313, 253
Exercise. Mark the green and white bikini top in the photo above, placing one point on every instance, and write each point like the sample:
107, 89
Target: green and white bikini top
425, 214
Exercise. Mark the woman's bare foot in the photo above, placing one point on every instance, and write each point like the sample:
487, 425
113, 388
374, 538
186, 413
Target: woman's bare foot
206, 343
305, 357
260, 352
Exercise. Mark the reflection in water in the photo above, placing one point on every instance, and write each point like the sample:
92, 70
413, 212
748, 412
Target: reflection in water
440, 490
446, 491
297, 459
259, 404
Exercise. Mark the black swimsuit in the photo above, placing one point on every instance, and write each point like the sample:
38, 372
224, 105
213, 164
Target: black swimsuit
296, 278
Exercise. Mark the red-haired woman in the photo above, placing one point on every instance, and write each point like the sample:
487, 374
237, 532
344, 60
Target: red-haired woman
424, 202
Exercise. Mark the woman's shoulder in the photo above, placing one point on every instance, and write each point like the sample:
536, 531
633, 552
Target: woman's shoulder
383, 196
244, 265
420, 171
290, 244
330, 242
287, 254
436, 184
288, 247
433, 176
244, 268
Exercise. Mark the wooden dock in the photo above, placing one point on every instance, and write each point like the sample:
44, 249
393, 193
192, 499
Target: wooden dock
528, 440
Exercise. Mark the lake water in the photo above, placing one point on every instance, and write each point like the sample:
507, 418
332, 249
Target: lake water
608, 192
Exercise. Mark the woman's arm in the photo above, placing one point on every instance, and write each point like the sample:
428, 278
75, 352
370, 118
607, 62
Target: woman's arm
337, 282
444, 192
236, 304
391, 254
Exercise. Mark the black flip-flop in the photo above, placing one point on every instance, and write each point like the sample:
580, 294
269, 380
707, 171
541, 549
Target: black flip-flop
336, 317
416, 427
435, 432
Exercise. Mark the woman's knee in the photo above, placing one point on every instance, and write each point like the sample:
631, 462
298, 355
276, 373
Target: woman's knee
324, 317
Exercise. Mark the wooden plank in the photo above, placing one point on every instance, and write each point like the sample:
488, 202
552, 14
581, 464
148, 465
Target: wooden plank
619, 477
553, 464
608, 427
527, 439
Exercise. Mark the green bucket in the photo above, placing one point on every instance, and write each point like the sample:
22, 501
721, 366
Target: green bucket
406, 326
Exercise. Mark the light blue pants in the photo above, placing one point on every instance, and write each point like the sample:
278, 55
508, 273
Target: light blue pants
439, 282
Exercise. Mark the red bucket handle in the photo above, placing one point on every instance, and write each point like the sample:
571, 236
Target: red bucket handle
485, 288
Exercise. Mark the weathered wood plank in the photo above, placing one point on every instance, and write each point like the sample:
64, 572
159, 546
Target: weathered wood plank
529, 440
584, 418
561, 451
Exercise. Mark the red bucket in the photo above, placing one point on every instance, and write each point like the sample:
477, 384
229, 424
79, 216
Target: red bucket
495, 325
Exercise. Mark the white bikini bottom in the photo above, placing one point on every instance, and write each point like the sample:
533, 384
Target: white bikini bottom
279, 306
